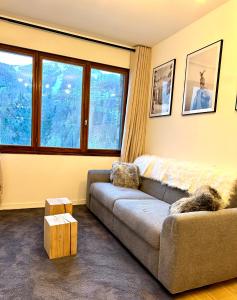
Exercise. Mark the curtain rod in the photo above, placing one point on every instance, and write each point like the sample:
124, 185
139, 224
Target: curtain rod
65, 33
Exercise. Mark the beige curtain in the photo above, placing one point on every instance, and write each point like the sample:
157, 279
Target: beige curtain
1, 187
136, 115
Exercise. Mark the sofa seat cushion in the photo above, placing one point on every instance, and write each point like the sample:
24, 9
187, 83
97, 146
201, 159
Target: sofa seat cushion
143, 217
107, 193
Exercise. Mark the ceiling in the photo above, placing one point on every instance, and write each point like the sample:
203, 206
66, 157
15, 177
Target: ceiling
128, 22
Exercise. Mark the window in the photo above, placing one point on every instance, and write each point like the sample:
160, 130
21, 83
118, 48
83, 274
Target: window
15, 98
106, 109
61, 104
54, 104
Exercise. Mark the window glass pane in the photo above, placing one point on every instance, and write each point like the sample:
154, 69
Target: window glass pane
15, 99
106, 103
61, 104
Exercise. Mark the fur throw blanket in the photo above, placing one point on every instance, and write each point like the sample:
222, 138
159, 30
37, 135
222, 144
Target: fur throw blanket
189, 176
204, 198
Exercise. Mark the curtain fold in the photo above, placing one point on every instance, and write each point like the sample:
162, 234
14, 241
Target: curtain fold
133, 143
1, 186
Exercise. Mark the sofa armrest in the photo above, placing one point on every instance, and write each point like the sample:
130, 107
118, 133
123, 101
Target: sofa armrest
95, 176
197, 249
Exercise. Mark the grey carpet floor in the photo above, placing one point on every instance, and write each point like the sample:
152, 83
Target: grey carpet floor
102, 270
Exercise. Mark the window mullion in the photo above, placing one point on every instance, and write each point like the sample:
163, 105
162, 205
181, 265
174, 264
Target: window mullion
85, 108
36, 101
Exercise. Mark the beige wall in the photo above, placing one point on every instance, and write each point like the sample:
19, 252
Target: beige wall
208, 138
29, 179
22, 36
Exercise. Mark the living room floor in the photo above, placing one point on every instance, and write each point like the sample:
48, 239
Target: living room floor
103, 268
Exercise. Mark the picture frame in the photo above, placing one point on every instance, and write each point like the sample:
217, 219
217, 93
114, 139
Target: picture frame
162, 89
202, 79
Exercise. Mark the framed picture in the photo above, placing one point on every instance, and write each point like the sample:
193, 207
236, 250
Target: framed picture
162, 89
236, 104
201, 79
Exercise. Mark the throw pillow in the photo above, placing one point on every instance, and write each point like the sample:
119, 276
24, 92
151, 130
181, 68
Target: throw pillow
125, 175
204, 198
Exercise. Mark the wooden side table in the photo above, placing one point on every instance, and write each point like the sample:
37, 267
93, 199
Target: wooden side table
60, 235
54, 206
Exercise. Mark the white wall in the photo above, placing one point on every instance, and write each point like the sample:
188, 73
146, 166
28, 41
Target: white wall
29, 179
208, 138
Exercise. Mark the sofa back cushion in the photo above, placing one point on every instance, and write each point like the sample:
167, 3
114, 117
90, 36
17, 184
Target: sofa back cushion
173, 194
152, 187
161, 191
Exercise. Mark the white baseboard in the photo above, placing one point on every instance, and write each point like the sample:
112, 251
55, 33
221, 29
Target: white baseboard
23, 205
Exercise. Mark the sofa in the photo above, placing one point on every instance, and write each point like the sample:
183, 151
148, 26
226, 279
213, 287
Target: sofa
183, 251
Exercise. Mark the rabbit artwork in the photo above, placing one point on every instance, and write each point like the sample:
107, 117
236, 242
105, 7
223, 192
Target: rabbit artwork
202, 99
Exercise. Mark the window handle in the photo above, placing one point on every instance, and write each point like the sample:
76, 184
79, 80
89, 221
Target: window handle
86, 122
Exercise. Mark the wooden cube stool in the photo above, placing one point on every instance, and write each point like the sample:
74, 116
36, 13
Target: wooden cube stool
54, 206
60, 235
